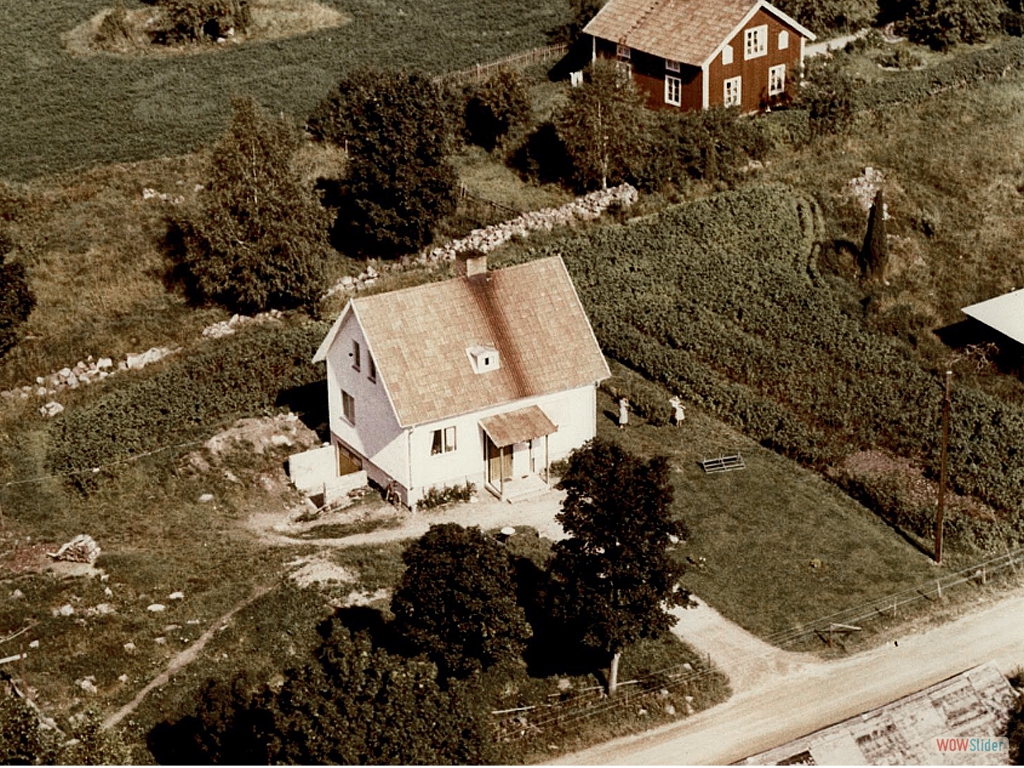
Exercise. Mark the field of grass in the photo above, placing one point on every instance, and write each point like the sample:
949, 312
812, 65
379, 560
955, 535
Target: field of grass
60, 111
781, 547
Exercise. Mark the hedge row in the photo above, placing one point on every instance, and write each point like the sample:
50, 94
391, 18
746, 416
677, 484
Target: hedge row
189, 398
956, 71
719, 301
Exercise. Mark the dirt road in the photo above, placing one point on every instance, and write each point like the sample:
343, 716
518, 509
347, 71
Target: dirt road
813, 695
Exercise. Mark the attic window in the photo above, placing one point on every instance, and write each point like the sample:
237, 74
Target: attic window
484, 358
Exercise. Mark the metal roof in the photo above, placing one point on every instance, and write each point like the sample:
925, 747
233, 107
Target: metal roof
1003, 313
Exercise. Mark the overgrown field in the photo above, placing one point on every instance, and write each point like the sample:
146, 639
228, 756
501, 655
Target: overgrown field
721, 301
59, 111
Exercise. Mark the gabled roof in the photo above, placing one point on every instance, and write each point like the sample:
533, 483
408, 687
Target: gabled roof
688, 31
419, 339
1004, 313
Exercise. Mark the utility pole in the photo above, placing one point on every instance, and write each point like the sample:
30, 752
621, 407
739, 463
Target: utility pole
942, 470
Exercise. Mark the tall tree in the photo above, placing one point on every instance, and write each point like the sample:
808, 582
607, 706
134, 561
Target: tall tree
604, 127
615, 574
944, 23
400, 134
16, 298
256, 238
875, 252
457, 601
497, 108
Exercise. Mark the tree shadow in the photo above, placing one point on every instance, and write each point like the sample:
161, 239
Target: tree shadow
1006, 354
542, 156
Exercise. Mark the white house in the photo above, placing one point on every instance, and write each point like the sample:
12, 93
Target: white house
485, 378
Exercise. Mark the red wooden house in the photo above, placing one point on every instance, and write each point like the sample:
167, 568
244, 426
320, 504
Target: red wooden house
694, 54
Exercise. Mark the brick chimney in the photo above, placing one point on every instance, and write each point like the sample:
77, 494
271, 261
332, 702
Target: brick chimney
471, 263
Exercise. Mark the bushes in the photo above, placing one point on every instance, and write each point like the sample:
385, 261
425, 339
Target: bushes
16, 298
970, 67
437, 497
188, 399
718, 301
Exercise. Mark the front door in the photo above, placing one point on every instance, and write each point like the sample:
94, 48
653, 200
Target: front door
499, 463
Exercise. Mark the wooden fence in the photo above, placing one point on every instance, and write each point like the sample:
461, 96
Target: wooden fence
480, 71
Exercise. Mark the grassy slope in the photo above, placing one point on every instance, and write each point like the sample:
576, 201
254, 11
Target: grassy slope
58, 111
760, 528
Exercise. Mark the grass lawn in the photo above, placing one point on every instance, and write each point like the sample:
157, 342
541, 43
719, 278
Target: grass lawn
759, 530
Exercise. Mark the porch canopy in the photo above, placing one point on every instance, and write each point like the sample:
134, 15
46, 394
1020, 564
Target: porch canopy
517, 426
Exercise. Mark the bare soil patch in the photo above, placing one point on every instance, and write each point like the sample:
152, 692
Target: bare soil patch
271, 20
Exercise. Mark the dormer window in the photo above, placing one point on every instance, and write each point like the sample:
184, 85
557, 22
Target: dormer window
484, 358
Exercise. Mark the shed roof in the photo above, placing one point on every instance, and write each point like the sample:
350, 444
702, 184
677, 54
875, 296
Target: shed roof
518, 426
419, 338
688, 31
1003, 313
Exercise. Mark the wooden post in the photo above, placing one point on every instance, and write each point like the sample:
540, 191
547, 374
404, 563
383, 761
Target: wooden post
547, 463
938, 588
942, 470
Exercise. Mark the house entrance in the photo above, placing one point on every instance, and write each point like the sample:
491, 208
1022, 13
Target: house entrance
514, 453
499, 462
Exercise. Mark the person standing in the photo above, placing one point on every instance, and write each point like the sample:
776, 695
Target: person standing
623, 412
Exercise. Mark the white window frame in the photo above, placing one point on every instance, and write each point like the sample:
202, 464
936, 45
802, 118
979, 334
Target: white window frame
357, 356
755, 42
777, 80
727, 55
348, 407
442, 441
734, 99
783, 40
673, 90
623, 52
671, 65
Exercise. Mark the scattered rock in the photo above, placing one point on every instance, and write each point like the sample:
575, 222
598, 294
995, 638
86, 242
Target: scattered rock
160, 640
108, 592
206, 498
17, 594
81, 549
129, 647
88, 684
136, 362
156, 608
64, 610
123, 678
281, 441
670, 710
34, 644
176, 596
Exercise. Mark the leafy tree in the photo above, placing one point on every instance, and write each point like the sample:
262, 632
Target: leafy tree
615, 572
457, 601
875, 253
580, 14
16, 298
27, 737
605, 128
829, 15
941, 24
356, 704
400, 135
192, 20
257, 237
828, 97
497, 108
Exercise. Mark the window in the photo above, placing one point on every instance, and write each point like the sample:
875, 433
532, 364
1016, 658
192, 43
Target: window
348, 407
727, 55
356, 357
733, 92
443, 441
776, 80
671, 66
673, 90
755, 42
372, 372
783, 40
623, 52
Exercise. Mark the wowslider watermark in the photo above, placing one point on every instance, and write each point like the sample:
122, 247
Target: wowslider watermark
963, 744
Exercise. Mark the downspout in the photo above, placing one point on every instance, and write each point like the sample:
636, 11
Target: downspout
593, 48
408, 446
705, 85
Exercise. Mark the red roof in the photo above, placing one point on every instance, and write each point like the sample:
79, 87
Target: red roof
421, 338
688, 31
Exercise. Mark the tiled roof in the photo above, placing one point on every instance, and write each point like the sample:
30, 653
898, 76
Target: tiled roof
530, 313
518, 426
689, 31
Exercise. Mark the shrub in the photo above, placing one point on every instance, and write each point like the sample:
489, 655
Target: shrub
497, 108
192, 20
437, 497
941, 24
188, 399
114, 31
16, 297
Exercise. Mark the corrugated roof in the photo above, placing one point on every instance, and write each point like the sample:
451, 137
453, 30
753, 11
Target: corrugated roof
1004, 313
689, 31
518, 426
530, 313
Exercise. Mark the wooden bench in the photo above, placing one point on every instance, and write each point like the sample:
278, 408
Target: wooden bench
723, 464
